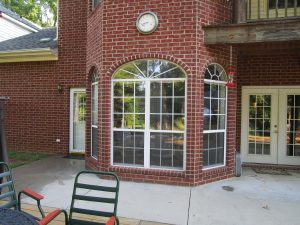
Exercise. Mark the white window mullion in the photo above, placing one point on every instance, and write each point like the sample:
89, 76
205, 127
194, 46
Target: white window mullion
147, 126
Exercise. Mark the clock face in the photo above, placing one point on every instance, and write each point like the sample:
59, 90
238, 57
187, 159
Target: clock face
147, 22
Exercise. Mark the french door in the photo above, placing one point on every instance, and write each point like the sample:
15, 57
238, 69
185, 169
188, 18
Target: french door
77, 120
270, 131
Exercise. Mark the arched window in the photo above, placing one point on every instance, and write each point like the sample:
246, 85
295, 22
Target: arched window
94, 116
215, 111
95, 3
148, 124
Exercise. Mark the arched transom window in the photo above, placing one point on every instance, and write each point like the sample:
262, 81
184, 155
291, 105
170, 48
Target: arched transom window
215, 103
148, 121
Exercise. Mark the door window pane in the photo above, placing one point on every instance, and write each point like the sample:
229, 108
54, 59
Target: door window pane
259, 124
79, 120
293, 125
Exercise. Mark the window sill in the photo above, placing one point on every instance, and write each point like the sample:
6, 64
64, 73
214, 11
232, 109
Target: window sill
148, 171
214, 170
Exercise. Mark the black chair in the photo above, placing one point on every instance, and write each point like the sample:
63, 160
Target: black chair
94, 198
10, 201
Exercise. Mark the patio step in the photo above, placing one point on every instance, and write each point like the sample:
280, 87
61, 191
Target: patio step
33, 210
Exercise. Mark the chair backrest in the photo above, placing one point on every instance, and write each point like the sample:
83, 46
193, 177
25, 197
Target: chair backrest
8, 197
94, 196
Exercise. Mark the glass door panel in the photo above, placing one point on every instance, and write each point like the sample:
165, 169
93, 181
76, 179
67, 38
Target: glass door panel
289, 127
259, 136
271, 131
259, 125
78, 120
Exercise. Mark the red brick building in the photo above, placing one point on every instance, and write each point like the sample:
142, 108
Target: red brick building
159, 104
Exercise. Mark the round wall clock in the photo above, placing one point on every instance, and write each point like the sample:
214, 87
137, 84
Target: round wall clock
147, 22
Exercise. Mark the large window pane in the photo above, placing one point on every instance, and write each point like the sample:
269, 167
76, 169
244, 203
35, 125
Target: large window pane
159, 113
128, 148
95, 142
214, 116
167, 150
94, 115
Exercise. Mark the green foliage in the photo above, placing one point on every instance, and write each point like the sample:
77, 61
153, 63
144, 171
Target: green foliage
37, 11
179, 123
21, 158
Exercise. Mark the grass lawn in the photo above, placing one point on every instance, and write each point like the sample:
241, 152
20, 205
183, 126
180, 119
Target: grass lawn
21, 158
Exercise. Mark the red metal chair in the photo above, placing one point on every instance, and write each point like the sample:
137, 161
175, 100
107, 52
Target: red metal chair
111, 221
8, 196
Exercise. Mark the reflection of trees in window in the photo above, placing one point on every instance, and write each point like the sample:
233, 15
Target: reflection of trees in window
81, 107
149, 97
214, 116
293, 124
259, 124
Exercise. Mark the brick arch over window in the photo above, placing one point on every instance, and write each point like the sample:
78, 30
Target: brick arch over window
170, 58
210, 61
92, 68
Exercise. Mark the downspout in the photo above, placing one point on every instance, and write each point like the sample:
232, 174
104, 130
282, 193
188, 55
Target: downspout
3, 146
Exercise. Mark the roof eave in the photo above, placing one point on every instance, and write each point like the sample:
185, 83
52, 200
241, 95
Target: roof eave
29, 55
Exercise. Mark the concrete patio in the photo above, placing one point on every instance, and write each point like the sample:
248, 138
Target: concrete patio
251, 199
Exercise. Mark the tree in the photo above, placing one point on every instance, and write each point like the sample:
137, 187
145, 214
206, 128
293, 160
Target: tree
41, 12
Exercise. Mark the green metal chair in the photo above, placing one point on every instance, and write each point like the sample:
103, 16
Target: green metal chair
94, 199
9, 200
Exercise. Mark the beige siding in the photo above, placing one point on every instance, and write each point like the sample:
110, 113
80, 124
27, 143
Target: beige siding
9, 30
253, 10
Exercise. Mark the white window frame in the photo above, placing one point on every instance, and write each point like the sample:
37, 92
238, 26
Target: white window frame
147, 129
209, 81
94, 126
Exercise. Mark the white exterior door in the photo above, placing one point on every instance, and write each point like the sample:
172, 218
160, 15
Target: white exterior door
270, 131
259, 125
77, 120
289, 127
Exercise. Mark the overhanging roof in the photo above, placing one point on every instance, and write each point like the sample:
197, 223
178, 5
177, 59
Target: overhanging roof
255, 32
39, 46
28, 55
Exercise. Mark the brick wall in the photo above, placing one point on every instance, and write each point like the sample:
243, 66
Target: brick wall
113, 40
37, 114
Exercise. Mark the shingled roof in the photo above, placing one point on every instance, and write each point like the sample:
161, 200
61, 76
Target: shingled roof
45, 38
17, 17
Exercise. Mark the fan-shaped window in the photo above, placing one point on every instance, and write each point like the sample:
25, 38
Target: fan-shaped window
215, 103
149, 114
215, 72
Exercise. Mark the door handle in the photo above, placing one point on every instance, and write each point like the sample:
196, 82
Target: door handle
276, 130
